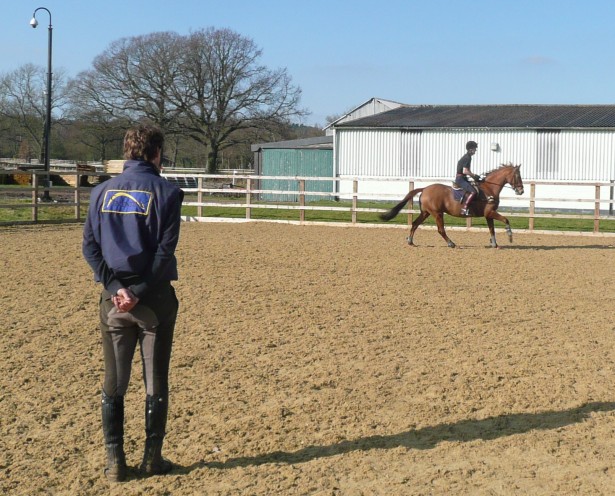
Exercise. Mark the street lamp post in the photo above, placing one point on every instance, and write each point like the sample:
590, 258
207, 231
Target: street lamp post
47, 131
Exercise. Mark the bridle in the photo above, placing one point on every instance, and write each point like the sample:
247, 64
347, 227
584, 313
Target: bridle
515, 182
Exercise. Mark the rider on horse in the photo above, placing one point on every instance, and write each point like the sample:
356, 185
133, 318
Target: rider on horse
463, 171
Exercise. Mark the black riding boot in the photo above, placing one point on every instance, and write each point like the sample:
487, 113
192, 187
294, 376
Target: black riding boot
113, 430
156, 408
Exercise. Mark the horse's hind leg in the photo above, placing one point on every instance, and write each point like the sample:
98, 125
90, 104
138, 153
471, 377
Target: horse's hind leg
415, 224
440, 223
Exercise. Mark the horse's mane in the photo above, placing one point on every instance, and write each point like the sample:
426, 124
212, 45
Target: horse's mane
509, 164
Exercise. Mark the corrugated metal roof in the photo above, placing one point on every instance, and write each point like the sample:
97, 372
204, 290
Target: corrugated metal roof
321, 142
491, 116
370, 107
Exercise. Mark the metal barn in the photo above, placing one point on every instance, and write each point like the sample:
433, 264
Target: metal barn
370, 107
558, 143
309, 157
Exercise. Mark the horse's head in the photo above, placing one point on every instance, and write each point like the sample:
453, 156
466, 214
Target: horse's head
515, 179
505, 174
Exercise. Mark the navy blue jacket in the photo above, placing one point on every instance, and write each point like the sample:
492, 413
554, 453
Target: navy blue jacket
132, 229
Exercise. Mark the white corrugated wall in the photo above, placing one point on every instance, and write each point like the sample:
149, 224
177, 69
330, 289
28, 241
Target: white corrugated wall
569, 155
587, 155
365, 153
566, 155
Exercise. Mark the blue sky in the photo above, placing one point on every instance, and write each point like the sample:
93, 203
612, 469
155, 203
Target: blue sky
343, 52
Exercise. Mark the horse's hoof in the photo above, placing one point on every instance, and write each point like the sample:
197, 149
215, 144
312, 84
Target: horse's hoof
452, 245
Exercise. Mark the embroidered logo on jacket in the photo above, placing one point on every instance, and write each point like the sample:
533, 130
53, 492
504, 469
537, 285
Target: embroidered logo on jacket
127, 202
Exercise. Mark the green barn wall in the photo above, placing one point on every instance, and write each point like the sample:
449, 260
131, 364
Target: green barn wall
296, 162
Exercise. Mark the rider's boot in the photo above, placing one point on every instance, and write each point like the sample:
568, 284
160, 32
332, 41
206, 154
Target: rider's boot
156, 408
464, 209
113, 430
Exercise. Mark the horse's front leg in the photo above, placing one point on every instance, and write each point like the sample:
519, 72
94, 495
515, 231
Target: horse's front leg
496, 216
494, 243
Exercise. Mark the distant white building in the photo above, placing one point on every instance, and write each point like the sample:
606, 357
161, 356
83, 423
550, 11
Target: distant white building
370, 107
567, 144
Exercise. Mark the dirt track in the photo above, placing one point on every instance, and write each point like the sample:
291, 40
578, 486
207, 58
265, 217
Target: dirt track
325, 360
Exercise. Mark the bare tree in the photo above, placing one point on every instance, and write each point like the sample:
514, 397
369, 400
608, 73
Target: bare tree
98, 132
92, 123
24, 100
132, 79
208, 87
222, 89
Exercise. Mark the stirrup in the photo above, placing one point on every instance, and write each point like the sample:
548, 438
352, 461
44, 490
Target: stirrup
464, 211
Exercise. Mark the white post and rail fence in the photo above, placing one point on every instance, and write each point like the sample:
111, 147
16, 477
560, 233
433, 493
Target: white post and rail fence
589, 201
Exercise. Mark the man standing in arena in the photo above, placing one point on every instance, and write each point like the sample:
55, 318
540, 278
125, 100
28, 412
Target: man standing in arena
129, 240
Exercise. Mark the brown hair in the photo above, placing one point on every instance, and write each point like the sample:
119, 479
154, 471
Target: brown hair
143, 142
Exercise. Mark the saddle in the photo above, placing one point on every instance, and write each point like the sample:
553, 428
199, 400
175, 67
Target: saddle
459, 193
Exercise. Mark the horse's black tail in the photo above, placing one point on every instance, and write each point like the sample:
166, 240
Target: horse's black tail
397, 208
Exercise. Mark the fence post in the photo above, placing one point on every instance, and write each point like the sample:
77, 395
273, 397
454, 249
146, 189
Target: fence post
199, 197
532, 205
597, 210
355, 191
77, 196
611, 198
34, 196
301, 200
411, 206
248, 198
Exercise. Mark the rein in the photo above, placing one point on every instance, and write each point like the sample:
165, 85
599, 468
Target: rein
505, 185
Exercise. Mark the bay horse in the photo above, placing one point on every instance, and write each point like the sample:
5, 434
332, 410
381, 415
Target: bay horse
438, 199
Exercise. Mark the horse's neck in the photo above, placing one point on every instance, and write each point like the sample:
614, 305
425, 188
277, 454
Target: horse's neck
494, 183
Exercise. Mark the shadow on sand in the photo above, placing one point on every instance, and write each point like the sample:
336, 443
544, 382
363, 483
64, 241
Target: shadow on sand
426, 438
558, 247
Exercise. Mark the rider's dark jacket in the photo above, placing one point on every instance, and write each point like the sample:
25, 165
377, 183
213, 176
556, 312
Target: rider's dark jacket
132, 229
464, 163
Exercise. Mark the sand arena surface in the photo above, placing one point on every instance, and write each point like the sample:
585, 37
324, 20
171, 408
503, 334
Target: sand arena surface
325, 361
